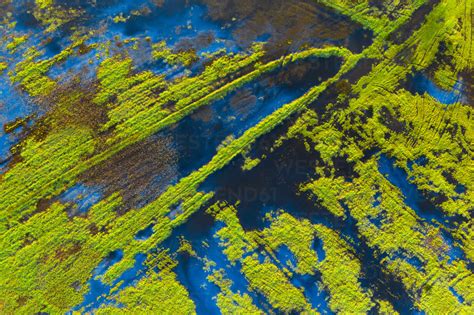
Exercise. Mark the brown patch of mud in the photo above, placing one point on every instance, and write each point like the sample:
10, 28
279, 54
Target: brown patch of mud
243, 98
67, 251
202, 40
289, 23
140, 172
140, 52
243, 101
298, 73
75, 106
69, 104
204, 114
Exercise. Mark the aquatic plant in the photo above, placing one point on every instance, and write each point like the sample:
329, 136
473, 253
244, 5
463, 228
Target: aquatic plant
389, 185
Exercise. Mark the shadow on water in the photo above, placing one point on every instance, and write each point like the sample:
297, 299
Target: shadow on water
273, 185
197, 136
287, 24
193, 144
142, 171
145, 234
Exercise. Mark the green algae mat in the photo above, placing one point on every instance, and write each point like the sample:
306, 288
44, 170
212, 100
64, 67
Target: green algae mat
236, 157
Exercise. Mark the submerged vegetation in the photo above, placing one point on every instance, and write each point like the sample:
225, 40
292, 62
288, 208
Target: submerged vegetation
377, 217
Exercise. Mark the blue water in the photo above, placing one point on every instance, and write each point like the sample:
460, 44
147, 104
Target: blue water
316, 296
173, 22
421, 84
144, 234
191, 274
191, 20
134, 274
99, 292
111, 259
415, 262
457, 295
460, 189
376, 202
82, 196
267, 179
196, 139
454, 249
12, 106
86, 65
318, 247
199, 139
6, 142
14, 103
97, 289
413, 198
197, 136
190, 270
421, 161
416, 201
285, 256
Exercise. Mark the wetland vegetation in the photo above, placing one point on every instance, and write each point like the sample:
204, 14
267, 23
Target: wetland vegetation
249, 157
